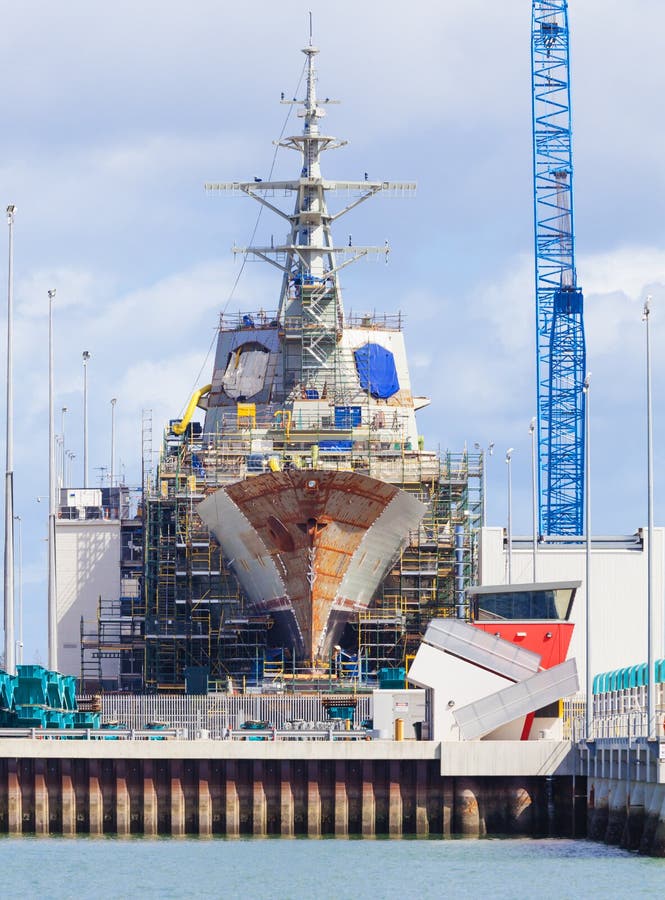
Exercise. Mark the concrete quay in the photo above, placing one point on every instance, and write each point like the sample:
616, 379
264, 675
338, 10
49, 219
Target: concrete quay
626, 793
288, 788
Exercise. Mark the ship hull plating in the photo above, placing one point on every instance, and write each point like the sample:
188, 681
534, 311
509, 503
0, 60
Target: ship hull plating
311, 547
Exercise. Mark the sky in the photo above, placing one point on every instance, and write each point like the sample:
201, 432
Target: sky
114, 117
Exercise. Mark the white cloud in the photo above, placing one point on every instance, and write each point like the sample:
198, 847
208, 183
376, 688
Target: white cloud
481, 372
74, 289
630, 270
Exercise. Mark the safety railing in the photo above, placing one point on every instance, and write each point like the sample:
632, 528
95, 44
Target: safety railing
621, 726
94, 734
182, 734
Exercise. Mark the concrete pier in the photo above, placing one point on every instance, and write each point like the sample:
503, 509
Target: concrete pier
626, 793
204, 800
286, 820
316, 789
149, 801
231, 800
95, 800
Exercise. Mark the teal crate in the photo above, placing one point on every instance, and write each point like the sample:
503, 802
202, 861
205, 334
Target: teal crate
86, 720
30, 716
7, 689
112, 726
341, 712
69, 692
59, 718
31, 686
55, 690
7, 719
392, 679
30, 671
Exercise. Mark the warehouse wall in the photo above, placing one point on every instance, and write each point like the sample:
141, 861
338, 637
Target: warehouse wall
618, 593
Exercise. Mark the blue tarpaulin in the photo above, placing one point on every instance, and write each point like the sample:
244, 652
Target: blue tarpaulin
376, 370
336, 446
347, 416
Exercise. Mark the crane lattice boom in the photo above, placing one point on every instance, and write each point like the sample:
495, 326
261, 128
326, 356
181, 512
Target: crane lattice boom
560, 344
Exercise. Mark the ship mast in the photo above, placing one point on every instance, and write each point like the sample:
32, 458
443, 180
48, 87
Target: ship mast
310, 304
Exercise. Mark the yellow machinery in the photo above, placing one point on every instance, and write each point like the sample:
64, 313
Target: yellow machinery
179, 427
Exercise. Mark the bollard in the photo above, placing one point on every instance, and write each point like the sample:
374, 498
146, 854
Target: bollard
399, 729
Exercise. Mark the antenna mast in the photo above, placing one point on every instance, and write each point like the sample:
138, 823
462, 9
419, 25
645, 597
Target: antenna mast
310, 305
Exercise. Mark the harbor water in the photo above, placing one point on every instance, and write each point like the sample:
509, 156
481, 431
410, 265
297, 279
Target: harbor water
312, 869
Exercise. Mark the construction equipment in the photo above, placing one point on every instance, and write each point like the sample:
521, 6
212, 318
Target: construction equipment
560, 344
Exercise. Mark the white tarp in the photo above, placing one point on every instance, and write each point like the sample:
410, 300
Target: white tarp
245, 372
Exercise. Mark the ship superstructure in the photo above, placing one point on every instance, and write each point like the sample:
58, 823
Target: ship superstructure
335, 530
309, 359
312, 539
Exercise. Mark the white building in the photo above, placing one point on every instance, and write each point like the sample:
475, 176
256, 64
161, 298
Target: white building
618, 590
88, 552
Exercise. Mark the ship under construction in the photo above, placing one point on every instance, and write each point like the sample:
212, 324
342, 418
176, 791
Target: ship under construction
302, 532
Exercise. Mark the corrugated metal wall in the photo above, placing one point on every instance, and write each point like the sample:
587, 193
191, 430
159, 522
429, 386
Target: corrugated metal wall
216, 712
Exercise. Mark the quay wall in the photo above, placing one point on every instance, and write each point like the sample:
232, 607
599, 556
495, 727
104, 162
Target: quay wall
233, 789
626, 794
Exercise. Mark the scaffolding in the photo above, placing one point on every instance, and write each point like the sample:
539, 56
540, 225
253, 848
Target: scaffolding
194, 614
438, 562
305, 387
113, 646
191, 611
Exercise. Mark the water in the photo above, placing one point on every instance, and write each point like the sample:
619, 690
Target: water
314, 870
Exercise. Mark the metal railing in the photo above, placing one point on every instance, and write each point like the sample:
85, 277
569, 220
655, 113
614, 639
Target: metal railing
181, 734
630, 725
94, 734
217, 712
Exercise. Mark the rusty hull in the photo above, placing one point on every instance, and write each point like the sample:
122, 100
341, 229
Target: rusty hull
311, 547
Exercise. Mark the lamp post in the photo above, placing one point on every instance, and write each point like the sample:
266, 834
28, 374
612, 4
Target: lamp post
534, 497
113, 403
52, 597
485, 454
86, 357
509, 457
651, 696
63, 412
19, 642
9, 468
71, 456
587, 504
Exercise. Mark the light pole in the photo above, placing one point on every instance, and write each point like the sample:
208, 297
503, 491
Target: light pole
63, 412
651, 696
71, 456
19, 642
86, 357
485, 453
587, 503
509, 456
534, 492
9, 468
52, 597
113, 403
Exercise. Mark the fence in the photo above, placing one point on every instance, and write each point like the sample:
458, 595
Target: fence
218, 712
614, 716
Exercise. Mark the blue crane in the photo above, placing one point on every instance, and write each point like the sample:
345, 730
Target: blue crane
560, 345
